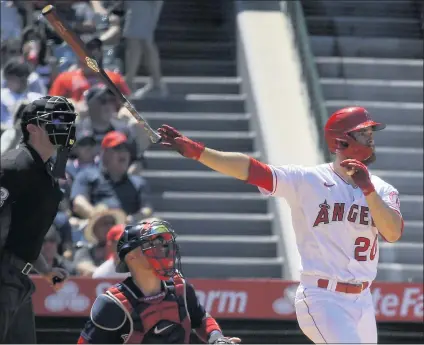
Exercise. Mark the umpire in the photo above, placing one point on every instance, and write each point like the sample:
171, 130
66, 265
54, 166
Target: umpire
29, 201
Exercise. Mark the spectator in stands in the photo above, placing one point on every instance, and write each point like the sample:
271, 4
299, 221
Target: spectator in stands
94, 251
51, 254
141, 18
64, 229
11, 22
11, 136
16, 73
108, 27
102, 118
72, 84
107, 268
37, 53
111, 184
9, 49
84, 152
12, 49
78, 15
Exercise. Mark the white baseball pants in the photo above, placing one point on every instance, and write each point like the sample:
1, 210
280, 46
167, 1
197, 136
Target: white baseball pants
328, 317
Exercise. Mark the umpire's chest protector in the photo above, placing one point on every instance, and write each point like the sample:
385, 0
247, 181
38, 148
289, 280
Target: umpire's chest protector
158, 321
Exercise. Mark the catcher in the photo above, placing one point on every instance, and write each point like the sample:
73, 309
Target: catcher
155, 305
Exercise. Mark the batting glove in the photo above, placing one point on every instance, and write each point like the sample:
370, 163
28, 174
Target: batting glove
360, 175
173, 139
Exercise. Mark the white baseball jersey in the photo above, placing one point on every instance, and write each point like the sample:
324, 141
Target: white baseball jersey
335, 233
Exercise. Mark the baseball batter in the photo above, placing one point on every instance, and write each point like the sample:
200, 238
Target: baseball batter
338, 211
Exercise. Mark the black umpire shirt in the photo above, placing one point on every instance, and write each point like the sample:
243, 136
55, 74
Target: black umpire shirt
30, 198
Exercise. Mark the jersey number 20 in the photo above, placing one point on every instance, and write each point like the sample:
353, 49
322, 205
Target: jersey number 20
362, 245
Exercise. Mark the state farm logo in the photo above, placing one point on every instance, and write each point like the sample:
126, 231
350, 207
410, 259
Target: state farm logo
285, 305
67, 298
223, 301
406, 304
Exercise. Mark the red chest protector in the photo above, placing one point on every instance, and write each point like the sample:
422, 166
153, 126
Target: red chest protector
143, 316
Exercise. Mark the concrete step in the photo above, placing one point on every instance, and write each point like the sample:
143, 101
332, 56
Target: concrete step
192, 67
168, 160
369, 68
352, 8
405, 181
228, 140
210, 202
233, 246
190, 104
411, 207
372, 90
192, 4
197, 85
189, 33
194, 116
413, 231
220, 51
228, 267
394, 272
401, 136
402, 253
200, 22
364, 26
391, 113
199, 181
205, 122
394, 158
377, 47
189, 13
219, 224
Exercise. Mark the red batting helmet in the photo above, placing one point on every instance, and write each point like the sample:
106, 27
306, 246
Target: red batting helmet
341, 124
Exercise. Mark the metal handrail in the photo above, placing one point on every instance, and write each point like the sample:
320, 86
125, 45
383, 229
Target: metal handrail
309, 70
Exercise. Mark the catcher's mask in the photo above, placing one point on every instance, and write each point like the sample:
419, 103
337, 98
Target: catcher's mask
57, 115
157, 241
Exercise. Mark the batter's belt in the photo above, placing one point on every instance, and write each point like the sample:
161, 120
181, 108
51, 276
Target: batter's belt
344, 287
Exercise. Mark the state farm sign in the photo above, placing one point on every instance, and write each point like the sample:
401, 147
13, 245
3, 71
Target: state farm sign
232, 299
402, 303
223, 301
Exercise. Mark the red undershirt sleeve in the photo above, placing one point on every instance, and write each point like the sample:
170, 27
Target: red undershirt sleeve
260, 175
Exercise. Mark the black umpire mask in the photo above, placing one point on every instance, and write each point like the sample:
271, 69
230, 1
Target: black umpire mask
57, 115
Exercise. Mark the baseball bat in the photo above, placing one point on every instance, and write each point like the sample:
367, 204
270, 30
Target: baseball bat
78, 46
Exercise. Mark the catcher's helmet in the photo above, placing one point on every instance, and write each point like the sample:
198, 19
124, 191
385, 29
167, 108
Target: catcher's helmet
57, 114
156, 238
338, 131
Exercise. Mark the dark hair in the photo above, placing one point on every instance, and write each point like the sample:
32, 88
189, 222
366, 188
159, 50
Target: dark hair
25, 133
34, 33
16, 66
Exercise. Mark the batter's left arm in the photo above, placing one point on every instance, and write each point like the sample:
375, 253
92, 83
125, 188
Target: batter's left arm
388, 221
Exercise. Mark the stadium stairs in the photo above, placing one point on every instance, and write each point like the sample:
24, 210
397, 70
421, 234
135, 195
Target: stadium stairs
224, 225
370, 53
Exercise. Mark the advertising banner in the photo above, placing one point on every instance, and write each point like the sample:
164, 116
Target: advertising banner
232, 299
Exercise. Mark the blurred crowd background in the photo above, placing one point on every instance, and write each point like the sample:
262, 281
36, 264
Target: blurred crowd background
104, 188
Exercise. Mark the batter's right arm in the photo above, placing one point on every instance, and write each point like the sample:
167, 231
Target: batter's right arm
234, 164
